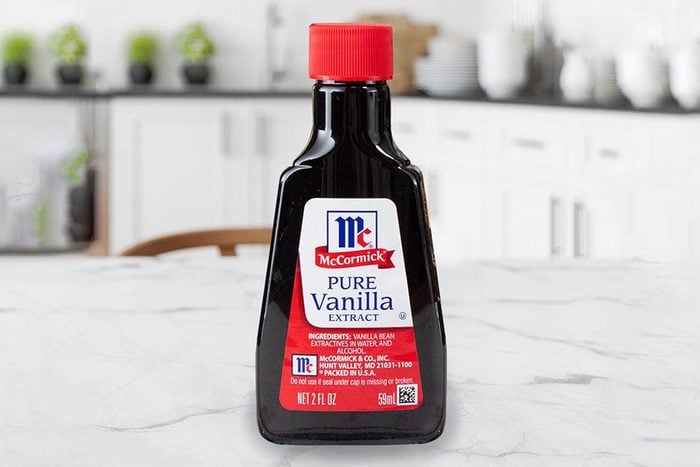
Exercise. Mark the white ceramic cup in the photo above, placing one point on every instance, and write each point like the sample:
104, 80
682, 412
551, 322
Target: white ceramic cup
643, 77
503, 63
685, 76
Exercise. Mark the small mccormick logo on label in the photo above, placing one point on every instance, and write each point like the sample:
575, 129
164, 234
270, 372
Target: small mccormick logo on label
304, 365
351, 230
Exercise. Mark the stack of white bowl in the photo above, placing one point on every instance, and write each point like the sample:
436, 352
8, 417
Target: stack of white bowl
643, 77
504, 57
685, 76
449, 69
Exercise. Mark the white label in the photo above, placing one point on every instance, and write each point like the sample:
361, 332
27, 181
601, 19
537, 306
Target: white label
352, 267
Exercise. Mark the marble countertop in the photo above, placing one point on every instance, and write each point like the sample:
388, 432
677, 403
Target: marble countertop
147, 362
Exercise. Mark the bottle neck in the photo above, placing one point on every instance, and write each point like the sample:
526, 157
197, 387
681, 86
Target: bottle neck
358, 109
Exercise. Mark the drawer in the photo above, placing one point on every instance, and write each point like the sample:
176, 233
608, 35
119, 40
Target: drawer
408, 136
612, 152
534, 146
461, 137
673, 150
413, 130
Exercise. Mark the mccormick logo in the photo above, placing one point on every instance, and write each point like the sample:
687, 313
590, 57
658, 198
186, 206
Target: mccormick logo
351, 230
351, 241
304, 365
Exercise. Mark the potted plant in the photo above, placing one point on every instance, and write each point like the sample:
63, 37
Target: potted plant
195, 46
81, 197
142, 48
16, 54
69, 47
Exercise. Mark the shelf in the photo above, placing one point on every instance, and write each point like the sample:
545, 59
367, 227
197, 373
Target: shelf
212, 92
79, 92
553, 101
203, 92
50, 93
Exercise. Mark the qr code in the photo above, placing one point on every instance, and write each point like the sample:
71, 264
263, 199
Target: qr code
407, 394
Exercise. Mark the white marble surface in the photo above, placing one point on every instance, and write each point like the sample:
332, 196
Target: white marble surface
138, 362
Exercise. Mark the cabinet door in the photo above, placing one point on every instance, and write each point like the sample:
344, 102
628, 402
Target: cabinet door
458, 199
167, 170
413, 128
661, 226
531, 221
280, 134
600, 226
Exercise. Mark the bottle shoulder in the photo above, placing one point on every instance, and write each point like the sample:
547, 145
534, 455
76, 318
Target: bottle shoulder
354, 148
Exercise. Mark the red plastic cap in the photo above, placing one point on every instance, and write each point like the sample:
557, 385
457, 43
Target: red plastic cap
351, 52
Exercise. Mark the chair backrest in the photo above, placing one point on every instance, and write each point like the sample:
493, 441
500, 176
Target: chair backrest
225, 239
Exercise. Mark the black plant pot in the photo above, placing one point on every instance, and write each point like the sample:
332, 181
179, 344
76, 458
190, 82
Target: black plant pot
15, 74
140, 73
196, 74
81, 201
70, 74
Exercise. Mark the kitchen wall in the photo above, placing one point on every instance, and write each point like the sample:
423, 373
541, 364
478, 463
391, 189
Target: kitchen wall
239, 28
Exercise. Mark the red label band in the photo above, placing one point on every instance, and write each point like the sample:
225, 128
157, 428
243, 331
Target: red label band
346, 369
380, 257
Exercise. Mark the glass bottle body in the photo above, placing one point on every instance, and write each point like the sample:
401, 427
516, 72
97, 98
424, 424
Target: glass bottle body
351, 154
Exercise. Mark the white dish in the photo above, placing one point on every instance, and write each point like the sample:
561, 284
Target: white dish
642, 76
503, 58
684, 68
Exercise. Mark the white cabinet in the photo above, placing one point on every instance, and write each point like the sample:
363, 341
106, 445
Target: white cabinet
661, 227
187, 164
178, 173
600, 226
166, 169
531, 219
502, 181
458, 176
534, 145
458, 214
412, 126
281, 131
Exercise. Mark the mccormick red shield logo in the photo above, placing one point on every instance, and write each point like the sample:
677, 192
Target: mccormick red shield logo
351, 241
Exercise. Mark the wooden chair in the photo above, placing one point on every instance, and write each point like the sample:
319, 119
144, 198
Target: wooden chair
225, 239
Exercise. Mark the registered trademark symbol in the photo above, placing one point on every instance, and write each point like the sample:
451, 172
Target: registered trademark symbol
402, 315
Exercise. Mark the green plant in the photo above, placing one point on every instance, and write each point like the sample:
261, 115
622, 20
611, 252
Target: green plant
73, 168
68, 45
194, 44
17, 49
39, 221
142, 48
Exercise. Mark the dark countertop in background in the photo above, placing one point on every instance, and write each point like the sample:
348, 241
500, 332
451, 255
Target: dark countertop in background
209, 92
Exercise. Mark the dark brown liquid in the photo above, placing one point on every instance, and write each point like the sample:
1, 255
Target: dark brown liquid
351, 154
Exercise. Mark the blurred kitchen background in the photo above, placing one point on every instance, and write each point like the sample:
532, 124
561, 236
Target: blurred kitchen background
545, 129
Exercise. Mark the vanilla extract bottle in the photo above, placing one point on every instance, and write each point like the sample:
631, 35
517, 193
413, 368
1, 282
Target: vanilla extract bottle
351, 343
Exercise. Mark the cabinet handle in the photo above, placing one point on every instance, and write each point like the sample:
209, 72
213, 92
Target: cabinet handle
226, 134
609, 153
528, 143
581, 231
404, 127
462, 135
261, 129
555, 225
